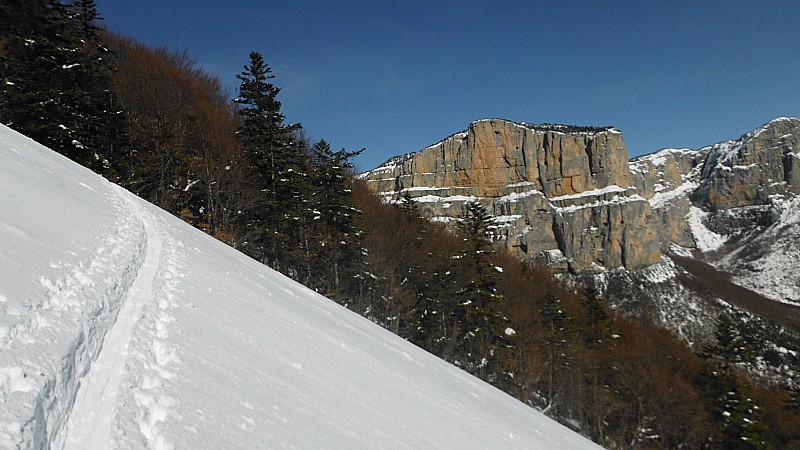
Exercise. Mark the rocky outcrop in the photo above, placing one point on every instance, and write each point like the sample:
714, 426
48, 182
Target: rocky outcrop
675, 238
561, 195
665, 179
753, 169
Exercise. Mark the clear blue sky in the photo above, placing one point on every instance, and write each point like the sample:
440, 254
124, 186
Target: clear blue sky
397, 76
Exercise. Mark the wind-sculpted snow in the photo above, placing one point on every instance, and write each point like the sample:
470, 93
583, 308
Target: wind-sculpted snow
123, 327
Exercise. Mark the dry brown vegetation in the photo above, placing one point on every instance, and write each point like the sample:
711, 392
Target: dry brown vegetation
183, 155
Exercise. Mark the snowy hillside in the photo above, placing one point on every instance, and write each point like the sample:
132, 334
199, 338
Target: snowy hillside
122, 327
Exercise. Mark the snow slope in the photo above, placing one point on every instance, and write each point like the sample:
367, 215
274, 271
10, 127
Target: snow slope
765, 262
122, 327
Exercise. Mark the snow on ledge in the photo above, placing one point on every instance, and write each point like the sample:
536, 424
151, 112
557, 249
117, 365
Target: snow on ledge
592, 193
660, 199
616, 200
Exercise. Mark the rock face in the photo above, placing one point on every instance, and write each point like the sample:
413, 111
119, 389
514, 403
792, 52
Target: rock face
706, 198
560, 194
569, 197
493, 154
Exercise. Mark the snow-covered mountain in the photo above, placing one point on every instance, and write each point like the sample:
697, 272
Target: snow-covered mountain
123, 327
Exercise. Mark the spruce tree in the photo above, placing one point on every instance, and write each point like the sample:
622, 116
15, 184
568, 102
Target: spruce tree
595, 327
477, 310
736, 415
408, 204
278, 164
555, 329
730, 345
336, 238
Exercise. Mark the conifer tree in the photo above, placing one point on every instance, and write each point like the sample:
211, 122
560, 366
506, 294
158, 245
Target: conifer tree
278, 163
477, 309
730, 342
476, 224
725, 398
597, 317
408, 204
554, 330
737, 415
336, 238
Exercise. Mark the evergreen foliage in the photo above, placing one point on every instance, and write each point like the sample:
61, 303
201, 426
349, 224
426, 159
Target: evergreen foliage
58, 84
335, 239
408, 204
477, 311
739, 419
278, 164
597, 317
730, 346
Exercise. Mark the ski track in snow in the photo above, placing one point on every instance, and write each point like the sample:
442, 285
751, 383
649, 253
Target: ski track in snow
153, 357
77, 308
90, 424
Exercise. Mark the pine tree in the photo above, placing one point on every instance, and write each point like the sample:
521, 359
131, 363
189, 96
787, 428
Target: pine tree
725, 398
476, 224
279, 167
595, 327
730, 344
477, 310
555, 329
336, 246
100, 127
408, 204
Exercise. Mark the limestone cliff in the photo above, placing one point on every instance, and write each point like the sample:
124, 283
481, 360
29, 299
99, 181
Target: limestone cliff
560, 194
493, 154
732, 207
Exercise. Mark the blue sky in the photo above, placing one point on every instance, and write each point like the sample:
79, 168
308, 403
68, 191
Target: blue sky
397, 76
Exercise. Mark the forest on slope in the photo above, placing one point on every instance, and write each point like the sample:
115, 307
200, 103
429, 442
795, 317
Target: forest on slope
154, 122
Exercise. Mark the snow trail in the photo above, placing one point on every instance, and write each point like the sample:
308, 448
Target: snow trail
89, 424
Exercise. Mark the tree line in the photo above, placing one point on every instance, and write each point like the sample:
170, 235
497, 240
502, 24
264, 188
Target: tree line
154, 122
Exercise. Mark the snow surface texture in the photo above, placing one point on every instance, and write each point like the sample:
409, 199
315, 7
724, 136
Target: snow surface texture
123, 327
